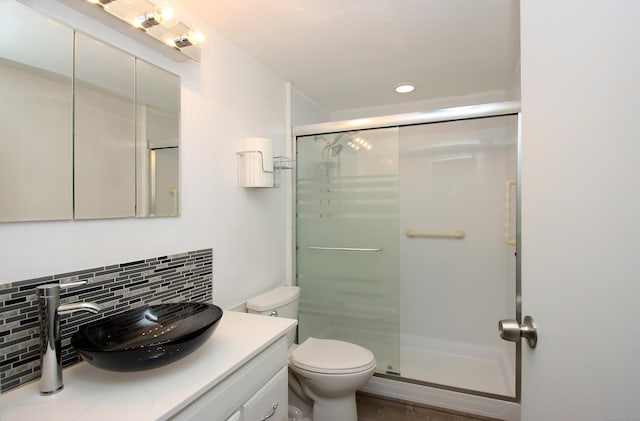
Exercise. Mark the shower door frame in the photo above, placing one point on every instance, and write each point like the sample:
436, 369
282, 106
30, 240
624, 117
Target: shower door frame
497, 109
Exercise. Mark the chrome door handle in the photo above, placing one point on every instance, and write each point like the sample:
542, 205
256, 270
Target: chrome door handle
510, 330
273, 412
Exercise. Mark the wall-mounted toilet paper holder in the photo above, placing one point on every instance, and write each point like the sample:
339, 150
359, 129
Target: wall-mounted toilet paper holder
252, 171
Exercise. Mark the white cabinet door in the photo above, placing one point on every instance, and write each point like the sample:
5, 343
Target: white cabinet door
270, 403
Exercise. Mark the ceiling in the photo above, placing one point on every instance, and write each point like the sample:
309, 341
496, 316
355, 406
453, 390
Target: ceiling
348, 54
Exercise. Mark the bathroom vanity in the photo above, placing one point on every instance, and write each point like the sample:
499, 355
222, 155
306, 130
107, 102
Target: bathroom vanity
240, 373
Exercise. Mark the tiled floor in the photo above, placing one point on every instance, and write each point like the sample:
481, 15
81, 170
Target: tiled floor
372, 408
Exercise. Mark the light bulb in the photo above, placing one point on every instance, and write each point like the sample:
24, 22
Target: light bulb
165, 16
138, 21
197, 38
170, 40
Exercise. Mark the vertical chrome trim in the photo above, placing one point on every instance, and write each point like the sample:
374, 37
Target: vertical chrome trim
288, 182
294, 210
518, 296
294, 216
74, 52
136, 188
152, 182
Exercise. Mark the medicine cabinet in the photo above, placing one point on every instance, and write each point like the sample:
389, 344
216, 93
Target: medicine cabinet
102, 144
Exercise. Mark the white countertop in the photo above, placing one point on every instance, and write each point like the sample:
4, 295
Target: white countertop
96, 394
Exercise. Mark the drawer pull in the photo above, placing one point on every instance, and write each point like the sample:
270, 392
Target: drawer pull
273, 412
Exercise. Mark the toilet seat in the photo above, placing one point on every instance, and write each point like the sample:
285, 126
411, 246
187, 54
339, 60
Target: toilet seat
330, 356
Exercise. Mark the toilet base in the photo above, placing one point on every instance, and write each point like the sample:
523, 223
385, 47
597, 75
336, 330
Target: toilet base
343, 408
305, 407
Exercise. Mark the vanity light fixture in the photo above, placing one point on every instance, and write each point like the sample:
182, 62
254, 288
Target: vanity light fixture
195, 38
163, 16
146, 21
181, 42
158, 23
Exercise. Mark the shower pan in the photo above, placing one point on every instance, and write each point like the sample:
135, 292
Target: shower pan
406, 244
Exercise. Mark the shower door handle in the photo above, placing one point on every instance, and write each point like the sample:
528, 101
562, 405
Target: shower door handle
511, 330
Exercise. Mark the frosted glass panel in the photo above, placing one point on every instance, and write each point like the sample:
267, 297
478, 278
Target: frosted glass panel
347, 240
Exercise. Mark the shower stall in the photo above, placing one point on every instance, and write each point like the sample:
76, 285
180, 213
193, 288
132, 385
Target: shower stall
405, 243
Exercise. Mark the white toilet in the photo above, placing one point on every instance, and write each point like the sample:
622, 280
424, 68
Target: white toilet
326, 372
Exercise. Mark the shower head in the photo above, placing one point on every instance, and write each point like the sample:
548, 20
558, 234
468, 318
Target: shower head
335, 150
336, 139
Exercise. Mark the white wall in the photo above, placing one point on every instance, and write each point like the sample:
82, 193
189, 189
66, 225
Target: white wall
225, 98
304, 111
580, 208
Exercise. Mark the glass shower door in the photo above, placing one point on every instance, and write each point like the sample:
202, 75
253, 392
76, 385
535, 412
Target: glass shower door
457, 257
405, 245
347, 240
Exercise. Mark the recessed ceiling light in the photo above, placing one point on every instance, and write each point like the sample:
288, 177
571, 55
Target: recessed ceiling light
403, 89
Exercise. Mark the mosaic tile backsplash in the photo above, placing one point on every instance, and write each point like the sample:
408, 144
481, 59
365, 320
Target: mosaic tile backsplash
116, 288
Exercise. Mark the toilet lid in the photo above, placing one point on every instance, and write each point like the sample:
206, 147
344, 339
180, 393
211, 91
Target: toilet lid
331, 357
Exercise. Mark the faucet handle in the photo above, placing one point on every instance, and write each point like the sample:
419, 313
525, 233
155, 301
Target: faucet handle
73, 284
53, 290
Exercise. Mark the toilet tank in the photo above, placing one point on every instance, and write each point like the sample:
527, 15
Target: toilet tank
278, 302
281, 301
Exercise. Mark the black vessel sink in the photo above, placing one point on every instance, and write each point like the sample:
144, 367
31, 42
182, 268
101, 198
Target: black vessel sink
147, 337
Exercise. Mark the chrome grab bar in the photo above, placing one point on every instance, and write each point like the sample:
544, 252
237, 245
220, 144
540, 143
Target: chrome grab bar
460, 234
345, 249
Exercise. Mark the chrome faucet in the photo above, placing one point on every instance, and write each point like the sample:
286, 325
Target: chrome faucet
49, 309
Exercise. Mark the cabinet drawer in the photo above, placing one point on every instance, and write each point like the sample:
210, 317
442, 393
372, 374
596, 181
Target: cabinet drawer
270, 403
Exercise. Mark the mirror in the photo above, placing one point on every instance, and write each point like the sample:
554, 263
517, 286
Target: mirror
116, 155
104, 131
36, 108
158, 133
